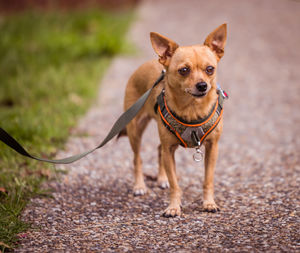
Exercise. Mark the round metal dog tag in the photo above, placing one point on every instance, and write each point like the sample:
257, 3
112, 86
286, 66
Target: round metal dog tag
198, 155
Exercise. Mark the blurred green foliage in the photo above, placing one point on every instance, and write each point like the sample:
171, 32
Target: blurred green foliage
50, 67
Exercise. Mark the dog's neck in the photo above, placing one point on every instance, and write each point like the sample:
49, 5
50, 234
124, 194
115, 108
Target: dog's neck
188, 107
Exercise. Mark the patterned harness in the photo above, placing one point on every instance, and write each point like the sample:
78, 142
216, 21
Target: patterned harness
191, 134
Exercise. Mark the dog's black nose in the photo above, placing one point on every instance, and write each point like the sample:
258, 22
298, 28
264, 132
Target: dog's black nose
202, 86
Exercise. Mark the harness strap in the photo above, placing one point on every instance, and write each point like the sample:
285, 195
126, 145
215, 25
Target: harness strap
212, 128
202, 122
171, 129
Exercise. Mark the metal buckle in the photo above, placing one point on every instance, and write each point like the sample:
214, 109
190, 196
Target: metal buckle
223, 93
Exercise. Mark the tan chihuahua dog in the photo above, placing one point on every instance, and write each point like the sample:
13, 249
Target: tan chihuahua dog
189, 93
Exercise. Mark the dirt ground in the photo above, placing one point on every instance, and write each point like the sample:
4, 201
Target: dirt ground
258, 172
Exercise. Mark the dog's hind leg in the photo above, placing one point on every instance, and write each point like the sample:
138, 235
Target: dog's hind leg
135, 131
162, 178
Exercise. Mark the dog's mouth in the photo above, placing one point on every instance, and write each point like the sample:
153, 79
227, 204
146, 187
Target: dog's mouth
197, 94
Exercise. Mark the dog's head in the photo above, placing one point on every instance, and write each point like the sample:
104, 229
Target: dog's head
191, 69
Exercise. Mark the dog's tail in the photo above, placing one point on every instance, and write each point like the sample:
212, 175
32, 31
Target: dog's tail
123, 132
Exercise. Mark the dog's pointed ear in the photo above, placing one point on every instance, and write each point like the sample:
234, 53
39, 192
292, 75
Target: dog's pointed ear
164, 47
216, 40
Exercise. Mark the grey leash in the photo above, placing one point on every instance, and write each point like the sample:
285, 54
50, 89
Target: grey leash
118, 126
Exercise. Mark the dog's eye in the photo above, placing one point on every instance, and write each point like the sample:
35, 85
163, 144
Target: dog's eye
210, 70
184, 71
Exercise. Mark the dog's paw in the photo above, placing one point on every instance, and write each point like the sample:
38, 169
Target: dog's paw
139, 190
163, 184
211, 207
172, 211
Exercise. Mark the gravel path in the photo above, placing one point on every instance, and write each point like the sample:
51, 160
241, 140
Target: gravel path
258, 173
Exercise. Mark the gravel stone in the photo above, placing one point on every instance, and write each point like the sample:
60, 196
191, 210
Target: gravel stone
258, 172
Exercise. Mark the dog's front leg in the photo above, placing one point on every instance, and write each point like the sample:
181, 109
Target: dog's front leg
211, 155
174, 208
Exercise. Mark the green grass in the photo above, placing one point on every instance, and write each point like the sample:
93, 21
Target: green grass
50, 67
